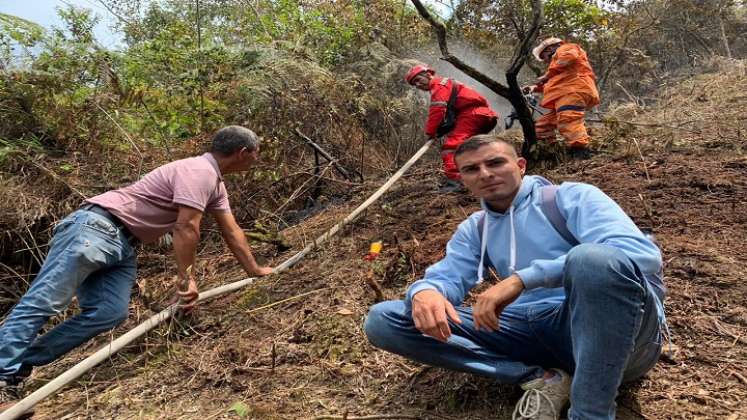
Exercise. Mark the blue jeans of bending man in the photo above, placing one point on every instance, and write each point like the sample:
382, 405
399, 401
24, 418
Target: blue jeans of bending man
88, 257
602, 326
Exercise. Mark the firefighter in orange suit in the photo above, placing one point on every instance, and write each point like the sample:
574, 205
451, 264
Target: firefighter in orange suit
472, 112
569, 89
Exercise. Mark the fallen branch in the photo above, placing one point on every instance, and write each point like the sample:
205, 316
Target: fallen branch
299, 190
739, 376
372, 417
280, 302
722, 330
335, 162
375, 286
643, 161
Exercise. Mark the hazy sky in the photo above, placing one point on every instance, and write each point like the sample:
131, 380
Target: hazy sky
44, 13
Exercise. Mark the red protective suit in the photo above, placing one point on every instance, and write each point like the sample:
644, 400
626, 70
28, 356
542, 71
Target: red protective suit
473, 117
569, 91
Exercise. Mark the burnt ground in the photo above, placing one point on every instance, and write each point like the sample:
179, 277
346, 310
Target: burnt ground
292, 346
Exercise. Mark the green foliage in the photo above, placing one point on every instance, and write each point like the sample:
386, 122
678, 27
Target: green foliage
330, 30
9, 148
639, 41
169, 81
575, 19
482, 21
17, 33
240, 409
271, 64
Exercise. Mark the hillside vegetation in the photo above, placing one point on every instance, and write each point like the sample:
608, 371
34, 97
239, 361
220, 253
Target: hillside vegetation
78, 120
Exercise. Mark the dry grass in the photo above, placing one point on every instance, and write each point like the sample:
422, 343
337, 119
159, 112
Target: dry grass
291, 346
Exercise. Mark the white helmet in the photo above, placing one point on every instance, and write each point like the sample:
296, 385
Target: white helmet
544, 44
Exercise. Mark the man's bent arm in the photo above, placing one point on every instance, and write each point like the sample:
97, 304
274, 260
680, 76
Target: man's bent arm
237, 243
593, 217
186, 236
456, 273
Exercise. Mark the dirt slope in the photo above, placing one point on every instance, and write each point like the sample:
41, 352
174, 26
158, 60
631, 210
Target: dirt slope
292, 346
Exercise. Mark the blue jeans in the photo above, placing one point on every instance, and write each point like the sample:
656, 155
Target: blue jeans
602, 326
88, 257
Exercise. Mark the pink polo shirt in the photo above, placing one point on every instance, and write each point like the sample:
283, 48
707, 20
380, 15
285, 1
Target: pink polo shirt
149, 207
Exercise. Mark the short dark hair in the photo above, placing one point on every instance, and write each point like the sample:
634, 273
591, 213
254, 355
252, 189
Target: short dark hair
229, 140
476, 142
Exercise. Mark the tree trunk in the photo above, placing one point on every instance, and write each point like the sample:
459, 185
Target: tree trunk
724, 38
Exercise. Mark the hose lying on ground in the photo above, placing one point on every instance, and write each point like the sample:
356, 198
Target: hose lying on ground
114, 346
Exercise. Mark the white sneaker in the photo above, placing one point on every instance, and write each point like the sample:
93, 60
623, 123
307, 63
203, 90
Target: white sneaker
543, 401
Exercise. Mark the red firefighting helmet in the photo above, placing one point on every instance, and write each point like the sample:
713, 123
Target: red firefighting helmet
416, 70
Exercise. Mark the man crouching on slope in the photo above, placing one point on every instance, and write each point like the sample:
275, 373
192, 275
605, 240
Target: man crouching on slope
578, 309
92, 254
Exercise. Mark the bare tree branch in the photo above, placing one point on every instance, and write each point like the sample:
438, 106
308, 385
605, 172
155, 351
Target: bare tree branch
470, 71
114, 13
512, 92
516, 26
517, 62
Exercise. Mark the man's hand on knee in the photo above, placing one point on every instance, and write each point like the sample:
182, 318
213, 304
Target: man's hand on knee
431, 312
491, 302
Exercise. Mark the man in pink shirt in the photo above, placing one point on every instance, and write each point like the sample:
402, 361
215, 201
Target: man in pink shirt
92, 254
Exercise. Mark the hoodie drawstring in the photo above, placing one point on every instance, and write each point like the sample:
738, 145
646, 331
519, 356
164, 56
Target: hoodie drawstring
484, 246
512, 262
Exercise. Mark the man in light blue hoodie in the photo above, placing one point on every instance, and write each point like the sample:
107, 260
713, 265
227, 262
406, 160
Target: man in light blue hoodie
577, 310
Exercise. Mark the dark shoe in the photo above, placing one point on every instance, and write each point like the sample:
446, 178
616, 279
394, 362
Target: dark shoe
579, 154
23, 373
451, 186
10, 393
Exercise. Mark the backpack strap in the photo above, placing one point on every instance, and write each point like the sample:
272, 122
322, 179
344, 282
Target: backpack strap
455, 88
550, 209
449, 119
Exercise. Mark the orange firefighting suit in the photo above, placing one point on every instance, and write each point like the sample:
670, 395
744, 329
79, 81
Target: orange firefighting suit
569, 90
473, 117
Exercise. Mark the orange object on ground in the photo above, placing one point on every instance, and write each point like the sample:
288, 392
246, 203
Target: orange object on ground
373, 251
569, 90
473, 116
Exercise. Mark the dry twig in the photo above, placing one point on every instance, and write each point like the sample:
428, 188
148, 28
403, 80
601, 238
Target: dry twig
643, 161
280, 302
372, 417
129, 139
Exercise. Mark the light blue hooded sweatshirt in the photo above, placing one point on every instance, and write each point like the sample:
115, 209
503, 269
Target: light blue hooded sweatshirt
523, 241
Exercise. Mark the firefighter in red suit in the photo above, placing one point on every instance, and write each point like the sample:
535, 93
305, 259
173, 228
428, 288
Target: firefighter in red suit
473, 116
